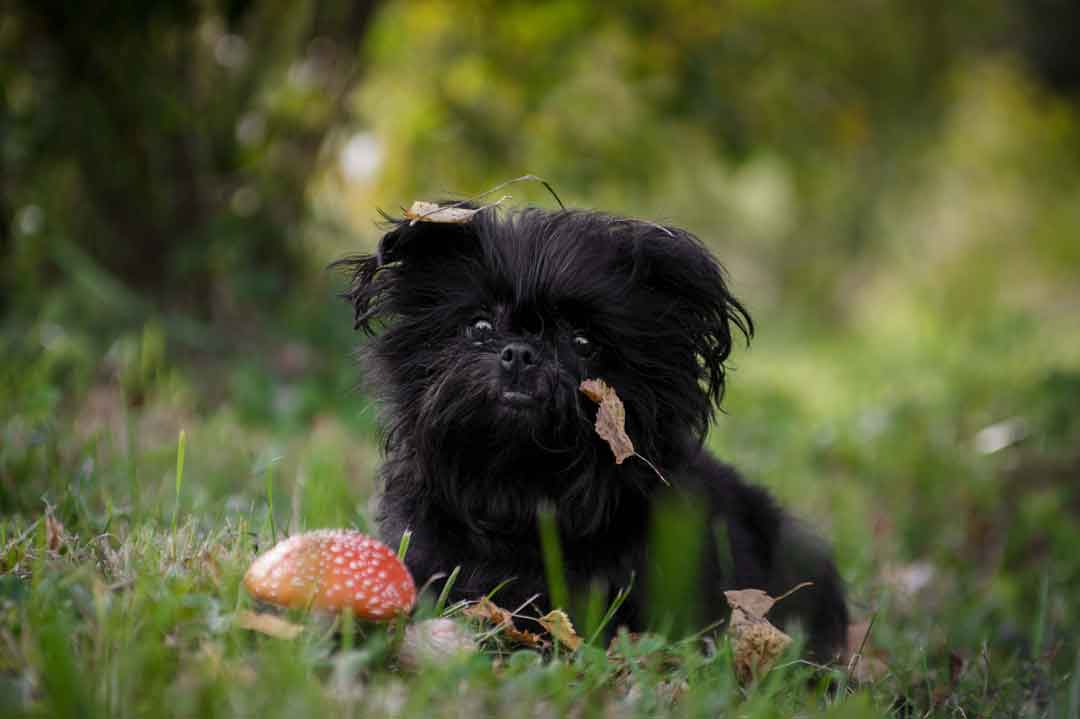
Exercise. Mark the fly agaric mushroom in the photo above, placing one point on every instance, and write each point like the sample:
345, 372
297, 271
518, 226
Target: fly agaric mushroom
332, 569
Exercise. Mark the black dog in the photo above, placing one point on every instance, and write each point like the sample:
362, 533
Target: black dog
489, 327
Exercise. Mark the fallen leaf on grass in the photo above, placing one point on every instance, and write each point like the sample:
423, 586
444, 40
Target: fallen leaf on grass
489, 611
749, 602
559, 626
610, 418
757, 643
503, 621
55, 534
268, 624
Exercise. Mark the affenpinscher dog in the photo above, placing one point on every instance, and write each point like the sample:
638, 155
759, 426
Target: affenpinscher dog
485, 329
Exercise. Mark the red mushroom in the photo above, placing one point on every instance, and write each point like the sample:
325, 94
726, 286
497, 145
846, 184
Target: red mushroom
332, 569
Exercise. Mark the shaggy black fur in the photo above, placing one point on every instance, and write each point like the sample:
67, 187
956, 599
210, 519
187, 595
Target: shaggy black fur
488, 328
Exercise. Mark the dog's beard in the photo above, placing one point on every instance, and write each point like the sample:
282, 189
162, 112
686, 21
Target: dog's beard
489, 462
492, 462
466, 396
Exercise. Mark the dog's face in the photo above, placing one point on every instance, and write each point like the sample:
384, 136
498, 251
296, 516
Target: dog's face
489, 328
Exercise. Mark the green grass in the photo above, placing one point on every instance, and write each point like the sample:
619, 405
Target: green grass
122, 548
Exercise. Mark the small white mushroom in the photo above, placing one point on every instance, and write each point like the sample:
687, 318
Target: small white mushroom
434, 642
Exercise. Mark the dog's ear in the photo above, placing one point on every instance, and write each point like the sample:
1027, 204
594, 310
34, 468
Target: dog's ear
676, 264
409, 246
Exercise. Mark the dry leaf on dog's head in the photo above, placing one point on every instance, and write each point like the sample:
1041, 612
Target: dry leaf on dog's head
610, 418
432, 212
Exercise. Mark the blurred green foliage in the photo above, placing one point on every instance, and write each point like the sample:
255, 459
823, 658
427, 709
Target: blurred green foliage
825, 150
167, 143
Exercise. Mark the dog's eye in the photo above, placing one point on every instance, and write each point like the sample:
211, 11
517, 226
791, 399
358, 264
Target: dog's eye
480, 329
584, 346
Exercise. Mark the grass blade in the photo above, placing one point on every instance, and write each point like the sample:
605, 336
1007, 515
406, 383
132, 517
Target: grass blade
444, 595
499, 586
348, 630
181, 443
553, 562
620, 598
403, 545
1073, 711
270, 502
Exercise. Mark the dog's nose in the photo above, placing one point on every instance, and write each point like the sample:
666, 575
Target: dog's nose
517, 355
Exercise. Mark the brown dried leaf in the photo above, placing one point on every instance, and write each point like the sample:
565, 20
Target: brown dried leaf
268, 624
432, 212
610, 418
757, 643
503, 621
526, 638
595, 389
753, 602
488, 611
55, 534
558, 625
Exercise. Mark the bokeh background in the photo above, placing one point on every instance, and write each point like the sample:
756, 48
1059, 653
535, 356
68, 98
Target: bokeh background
893, 185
